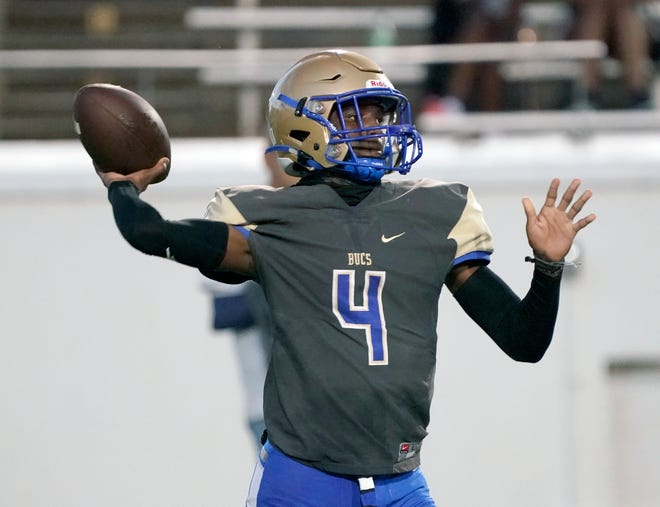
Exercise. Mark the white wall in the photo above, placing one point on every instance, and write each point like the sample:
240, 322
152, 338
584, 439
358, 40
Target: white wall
114, 391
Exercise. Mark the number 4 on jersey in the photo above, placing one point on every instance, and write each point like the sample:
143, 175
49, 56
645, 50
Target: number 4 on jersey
367, 316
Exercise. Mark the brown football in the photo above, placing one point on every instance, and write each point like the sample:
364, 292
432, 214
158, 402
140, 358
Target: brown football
120, 130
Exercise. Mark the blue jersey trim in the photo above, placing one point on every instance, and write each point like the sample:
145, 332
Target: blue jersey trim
244, 231
478, 255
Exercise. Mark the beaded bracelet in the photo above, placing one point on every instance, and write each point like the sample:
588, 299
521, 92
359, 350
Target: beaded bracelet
551, 268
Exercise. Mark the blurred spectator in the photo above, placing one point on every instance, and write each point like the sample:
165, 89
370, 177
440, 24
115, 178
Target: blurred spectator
469, 85
243, 310
619, 24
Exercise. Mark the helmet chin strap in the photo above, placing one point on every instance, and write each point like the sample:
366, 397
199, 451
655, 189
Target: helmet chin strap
362, 169
366, 173
369, 169
366, 169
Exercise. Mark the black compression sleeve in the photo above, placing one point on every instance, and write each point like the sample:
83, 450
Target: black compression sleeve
194, 242
521, 328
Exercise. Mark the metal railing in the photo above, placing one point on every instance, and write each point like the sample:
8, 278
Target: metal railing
249, 67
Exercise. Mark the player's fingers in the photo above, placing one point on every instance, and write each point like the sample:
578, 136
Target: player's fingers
100, 171
528, 206
163, 164
551, 196
583, 222
161, 168
108, 177
579, 204
568, 195
145, 177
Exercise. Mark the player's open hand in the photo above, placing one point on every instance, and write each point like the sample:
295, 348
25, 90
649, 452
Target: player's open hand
141, 178
551, 232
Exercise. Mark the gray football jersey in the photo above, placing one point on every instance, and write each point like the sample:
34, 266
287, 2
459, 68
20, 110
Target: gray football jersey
354, 293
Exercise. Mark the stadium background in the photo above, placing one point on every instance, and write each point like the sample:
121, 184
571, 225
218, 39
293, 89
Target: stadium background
114, 390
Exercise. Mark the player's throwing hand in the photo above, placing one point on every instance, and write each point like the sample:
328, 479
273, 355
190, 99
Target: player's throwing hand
141, 178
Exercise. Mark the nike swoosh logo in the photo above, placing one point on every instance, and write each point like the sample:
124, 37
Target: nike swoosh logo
385, 239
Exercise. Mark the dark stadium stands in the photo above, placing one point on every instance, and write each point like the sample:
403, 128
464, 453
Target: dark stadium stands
35, 100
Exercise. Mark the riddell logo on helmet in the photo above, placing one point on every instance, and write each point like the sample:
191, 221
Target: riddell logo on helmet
376, 83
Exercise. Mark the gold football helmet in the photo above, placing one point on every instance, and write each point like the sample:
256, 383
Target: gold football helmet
335, 82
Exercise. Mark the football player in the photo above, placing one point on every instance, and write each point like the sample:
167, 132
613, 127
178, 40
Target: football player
352, 266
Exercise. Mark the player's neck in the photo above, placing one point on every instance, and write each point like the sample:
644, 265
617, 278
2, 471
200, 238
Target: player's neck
350, 190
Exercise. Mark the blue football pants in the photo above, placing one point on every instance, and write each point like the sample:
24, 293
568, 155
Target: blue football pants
280, 481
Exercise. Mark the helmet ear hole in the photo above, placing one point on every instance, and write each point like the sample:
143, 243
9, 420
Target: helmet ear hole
299, 135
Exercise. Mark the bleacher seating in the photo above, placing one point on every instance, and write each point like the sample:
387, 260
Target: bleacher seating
35, 102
